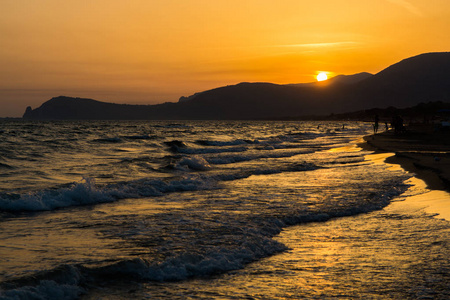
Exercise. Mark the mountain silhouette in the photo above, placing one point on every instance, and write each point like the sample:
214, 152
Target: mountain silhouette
421, 78
414, 80
340, 79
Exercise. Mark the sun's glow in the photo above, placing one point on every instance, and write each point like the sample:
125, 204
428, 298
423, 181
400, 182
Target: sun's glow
322, 76
162, 43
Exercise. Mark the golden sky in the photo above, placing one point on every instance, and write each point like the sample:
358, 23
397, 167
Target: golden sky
153, 51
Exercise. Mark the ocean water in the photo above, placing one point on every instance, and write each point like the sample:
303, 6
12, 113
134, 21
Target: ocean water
210, 210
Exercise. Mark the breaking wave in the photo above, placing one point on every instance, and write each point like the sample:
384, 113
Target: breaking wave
87, 192
244, 245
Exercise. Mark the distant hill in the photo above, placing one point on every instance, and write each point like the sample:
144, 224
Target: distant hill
340, 79
421, 78
69, 108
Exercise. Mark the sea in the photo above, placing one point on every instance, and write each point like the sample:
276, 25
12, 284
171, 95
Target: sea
211, 210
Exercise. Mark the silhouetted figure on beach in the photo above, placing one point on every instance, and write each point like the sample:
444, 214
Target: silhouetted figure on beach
386, 126
375, 125
397, 123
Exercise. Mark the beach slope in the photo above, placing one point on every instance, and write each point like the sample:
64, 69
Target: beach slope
422, 150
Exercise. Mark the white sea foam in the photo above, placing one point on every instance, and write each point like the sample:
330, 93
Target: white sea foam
187, 265
86, 192
246, 245
61, 283
179, 235
193, 163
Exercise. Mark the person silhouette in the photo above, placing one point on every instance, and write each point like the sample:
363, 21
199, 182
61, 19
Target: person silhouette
399, 125
375, 125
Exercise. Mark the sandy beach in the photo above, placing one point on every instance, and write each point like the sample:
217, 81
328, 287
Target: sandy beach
421, 150
424, 151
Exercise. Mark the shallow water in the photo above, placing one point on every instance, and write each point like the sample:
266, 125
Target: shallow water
375, 256
208, 210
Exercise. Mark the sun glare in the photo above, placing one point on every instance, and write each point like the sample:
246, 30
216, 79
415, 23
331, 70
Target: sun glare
322, 76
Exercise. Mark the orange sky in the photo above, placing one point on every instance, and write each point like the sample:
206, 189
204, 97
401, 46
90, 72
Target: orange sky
143, 51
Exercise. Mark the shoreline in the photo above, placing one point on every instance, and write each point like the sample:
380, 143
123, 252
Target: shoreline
425, 154
420, 150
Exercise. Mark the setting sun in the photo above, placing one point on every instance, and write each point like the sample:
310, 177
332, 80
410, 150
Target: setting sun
322, 76
151, 52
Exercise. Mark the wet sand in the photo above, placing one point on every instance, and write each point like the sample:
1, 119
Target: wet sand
421, 150
424, 152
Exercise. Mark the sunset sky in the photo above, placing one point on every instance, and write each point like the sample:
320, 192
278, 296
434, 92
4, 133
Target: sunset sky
153, 51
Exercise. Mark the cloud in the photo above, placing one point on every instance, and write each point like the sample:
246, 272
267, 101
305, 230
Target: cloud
322, 45
407, 5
